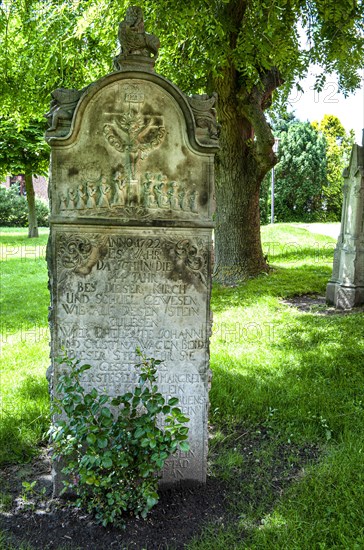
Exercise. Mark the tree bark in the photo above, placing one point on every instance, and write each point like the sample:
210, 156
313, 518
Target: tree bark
244, 158
32, 215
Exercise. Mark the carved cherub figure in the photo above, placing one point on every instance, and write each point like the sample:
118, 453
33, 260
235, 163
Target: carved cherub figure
173, 195
193, 199
72, 198
92, 190
82, 196
63, 105
203, 108
105, 193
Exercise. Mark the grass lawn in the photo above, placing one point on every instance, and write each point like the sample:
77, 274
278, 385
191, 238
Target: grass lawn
287, 397
24, 344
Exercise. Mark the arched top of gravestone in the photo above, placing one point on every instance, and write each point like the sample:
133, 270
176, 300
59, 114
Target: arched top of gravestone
135, 96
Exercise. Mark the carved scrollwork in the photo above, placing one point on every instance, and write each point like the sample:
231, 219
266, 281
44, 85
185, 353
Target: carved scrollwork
74, 250
79, 253
193, 260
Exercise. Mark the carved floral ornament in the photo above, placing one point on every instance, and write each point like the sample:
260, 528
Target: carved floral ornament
79, 253
193, 260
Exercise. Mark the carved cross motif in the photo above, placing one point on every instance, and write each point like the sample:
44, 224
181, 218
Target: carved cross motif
136, 135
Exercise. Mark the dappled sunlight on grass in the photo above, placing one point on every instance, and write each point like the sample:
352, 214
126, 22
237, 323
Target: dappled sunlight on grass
299, 364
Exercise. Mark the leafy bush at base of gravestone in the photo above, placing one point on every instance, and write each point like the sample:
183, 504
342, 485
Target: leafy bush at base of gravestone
114, 448
14, 209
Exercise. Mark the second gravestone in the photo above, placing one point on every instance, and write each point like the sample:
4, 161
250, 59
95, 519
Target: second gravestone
129, 255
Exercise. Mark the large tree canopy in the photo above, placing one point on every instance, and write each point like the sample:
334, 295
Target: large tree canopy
243, 49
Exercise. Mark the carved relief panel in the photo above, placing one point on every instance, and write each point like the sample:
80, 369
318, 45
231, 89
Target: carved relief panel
142, 171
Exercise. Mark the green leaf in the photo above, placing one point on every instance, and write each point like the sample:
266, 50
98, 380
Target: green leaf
106, 412
173, 401
103, 399
139, 432
91, 439
116, 401
152, 501
184, 446
84, 367
107, 462
102, 442
127, 396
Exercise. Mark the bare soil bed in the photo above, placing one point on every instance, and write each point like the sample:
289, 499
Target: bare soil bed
34, 518
48, 523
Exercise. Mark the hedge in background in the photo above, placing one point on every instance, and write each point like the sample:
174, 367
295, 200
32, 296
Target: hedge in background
14, 209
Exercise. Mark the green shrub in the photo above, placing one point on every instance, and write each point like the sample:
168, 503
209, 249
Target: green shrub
42, 209
113, 448
14, 209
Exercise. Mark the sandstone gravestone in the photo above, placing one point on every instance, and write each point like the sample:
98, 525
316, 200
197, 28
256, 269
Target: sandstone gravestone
346, 287
129, 255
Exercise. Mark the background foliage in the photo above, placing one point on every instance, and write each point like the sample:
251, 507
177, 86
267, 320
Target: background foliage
300, 174
338, 149
308, 177
14, 209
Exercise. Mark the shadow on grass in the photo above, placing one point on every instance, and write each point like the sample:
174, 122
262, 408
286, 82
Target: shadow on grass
301, 402
312, 379
293, 252
283, 281
25, 421
34, 388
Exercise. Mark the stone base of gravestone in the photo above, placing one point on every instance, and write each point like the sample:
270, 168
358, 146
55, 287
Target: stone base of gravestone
344, 297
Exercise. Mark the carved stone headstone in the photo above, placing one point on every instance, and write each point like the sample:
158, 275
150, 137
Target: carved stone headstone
131, 192
346, 287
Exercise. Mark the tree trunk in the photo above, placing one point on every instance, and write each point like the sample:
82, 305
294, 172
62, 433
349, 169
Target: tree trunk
32, 215
240, 168
238, 249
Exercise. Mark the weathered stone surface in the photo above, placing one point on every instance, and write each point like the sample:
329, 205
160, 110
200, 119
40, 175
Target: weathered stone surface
346, 287
131, 193
136, 46
61, 112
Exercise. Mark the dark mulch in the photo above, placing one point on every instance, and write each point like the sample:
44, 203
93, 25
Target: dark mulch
50, 524
180, 515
